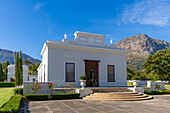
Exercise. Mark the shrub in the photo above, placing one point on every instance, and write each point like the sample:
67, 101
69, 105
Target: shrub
13, 104
135, 78
18, 91
82, 77
157, 92
7, 84
36, 96
59, 96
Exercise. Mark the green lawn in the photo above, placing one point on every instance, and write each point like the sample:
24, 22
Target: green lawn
167, 86
5, 94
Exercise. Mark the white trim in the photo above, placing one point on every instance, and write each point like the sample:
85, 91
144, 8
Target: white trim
107, 73
74, 70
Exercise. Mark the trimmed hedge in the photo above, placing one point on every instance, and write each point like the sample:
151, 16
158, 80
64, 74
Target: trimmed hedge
36, 96
7, 84
59, 96
157, 92
18, 91
13, 103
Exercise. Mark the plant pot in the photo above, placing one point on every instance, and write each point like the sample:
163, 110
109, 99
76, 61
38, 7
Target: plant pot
83, 83
135, 83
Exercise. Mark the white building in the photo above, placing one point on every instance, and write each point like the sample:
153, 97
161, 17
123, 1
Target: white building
88, 54
26, 76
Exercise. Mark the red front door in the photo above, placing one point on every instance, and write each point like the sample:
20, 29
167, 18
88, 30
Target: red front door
92, 73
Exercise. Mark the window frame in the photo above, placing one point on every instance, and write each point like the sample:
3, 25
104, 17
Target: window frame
108, 72
65, 71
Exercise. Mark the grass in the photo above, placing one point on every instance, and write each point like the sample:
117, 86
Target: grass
167, 86
5, 94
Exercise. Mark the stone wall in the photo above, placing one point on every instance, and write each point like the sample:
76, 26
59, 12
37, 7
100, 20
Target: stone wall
43, 90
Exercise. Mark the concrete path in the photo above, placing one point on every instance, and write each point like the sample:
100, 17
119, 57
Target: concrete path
160, 104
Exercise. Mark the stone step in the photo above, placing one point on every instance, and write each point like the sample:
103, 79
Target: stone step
119, 96
116, 97
109, 89
126, 99
110, 94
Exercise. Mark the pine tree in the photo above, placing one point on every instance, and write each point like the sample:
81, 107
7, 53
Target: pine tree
1, 73
16, 70
21, 69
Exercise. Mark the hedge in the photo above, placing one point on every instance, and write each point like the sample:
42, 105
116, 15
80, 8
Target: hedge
18, 91
157, 92
13, 104
59, 96
7, 84
36, 96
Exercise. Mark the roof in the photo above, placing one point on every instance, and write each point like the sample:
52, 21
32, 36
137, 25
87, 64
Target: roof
84, 40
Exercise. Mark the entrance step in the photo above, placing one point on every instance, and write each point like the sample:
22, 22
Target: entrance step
110, 89
116, 95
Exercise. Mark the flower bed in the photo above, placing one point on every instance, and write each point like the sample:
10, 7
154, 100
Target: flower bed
12, 105
59, 96
36, 96
157, 92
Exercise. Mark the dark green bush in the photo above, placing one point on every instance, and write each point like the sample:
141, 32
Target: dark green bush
7, 84
82, 77
59, 96
36, 96
18, 91
135, 78
157, 92
13, 104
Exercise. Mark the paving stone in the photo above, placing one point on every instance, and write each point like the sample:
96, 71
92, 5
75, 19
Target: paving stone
160, 104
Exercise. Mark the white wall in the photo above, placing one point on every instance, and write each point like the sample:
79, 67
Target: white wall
11, 73
43, 65
59, 55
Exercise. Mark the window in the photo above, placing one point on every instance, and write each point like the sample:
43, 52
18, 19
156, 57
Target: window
111, 73
70, 72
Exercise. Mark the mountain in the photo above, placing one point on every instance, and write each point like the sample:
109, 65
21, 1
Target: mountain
7, 55
140, 47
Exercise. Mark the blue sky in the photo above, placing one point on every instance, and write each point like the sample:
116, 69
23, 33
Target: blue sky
26, 24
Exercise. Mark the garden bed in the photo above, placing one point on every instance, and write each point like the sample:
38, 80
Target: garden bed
157, 92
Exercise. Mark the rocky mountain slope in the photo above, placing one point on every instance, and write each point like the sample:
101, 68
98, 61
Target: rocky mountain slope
7, 55
140, 47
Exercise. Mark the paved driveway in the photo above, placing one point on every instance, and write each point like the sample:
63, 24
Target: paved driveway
161, 104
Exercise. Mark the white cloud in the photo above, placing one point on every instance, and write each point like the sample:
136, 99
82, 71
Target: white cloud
150, 12
38, 5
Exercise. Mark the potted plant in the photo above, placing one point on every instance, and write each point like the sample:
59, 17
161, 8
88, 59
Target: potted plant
83, 81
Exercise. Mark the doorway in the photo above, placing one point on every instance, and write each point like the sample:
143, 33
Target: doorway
92, 73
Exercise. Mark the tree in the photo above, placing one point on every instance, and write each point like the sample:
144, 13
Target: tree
21, 69
157, 66
5, 68
27, 62
130, 72
18, 69
2, 77
33, 68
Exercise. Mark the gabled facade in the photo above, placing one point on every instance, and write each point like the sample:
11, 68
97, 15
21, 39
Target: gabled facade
88, 54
